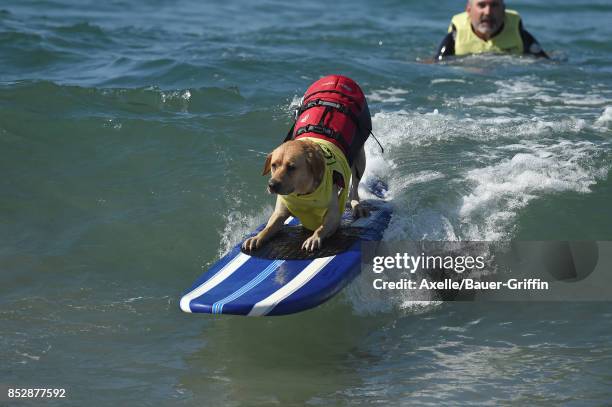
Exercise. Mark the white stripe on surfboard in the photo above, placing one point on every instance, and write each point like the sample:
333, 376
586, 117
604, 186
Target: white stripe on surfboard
267, 304
288, 220
221, 275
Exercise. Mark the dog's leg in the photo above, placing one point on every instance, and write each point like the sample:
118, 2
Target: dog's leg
357, 170
331, 221
276, 221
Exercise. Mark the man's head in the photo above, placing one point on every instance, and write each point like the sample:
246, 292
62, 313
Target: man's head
487, 16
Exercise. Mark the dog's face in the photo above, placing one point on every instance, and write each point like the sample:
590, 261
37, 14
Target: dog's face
295, 166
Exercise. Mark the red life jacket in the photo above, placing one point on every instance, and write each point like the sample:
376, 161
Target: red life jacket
334, 108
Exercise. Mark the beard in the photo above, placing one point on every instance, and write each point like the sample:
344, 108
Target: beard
488, 26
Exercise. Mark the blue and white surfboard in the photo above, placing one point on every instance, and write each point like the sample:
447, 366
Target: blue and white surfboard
260, 285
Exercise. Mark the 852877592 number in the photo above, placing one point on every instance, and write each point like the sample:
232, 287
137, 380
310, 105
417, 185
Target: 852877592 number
36, 393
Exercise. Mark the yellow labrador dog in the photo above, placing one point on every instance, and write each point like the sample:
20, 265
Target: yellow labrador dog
311, 171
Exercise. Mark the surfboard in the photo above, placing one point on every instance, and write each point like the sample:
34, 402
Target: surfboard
280, 278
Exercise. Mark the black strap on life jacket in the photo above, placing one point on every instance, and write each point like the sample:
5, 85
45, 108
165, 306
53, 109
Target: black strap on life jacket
337, 106
324, 131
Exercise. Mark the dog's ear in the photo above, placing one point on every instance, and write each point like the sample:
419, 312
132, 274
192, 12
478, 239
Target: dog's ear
266, 168
315, 161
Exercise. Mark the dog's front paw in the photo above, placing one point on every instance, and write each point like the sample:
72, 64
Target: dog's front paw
358, 210
312, 243
253, 243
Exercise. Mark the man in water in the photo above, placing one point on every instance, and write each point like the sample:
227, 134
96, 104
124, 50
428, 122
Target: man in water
486, 26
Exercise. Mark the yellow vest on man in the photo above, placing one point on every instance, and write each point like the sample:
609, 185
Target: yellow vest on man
507, 41
311, 208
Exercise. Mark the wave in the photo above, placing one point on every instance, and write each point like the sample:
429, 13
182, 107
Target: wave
119, 101
457, 175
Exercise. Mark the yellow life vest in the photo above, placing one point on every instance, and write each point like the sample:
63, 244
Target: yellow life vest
311, 208
507, 41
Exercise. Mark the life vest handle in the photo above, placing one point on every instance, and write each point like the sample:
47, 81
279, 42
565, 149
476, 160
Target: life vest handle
349, 97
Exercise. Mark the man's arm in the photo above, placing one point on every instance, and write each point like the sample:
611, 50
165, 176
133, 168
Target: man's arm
447, 46
530, 45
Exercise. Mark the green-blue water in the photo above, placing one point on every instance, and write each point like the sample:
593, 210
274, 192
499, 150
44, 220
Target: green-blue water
132, 135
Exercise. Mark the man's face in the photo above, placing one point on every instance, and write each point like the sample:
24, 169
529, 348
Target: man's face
487, 16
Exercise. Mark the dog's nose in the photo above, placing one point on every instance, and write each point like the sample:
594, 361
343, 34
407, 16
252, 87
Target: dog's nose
273, 185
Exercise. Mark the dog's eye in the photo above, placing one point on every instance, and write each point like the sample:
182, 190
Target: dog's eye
273, 166
290, 167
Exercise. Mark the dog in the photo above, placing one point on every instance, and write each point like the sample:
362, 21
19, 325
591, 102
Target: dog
297, 167
322, 154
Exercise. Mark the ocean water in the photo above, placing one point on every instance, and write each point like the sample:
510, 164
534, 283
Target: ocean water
132, 135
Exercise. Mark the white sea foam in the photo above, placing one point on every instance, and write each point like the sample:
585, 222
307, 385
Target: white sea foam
500, 190
177, 99
605, 120
420, 224
239, 225
583, 100
401, 184
417, 129
444, 80
176, 95
400, 128
501, 110
512, 92
389, 95
527, 90
519, 159
296, 101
